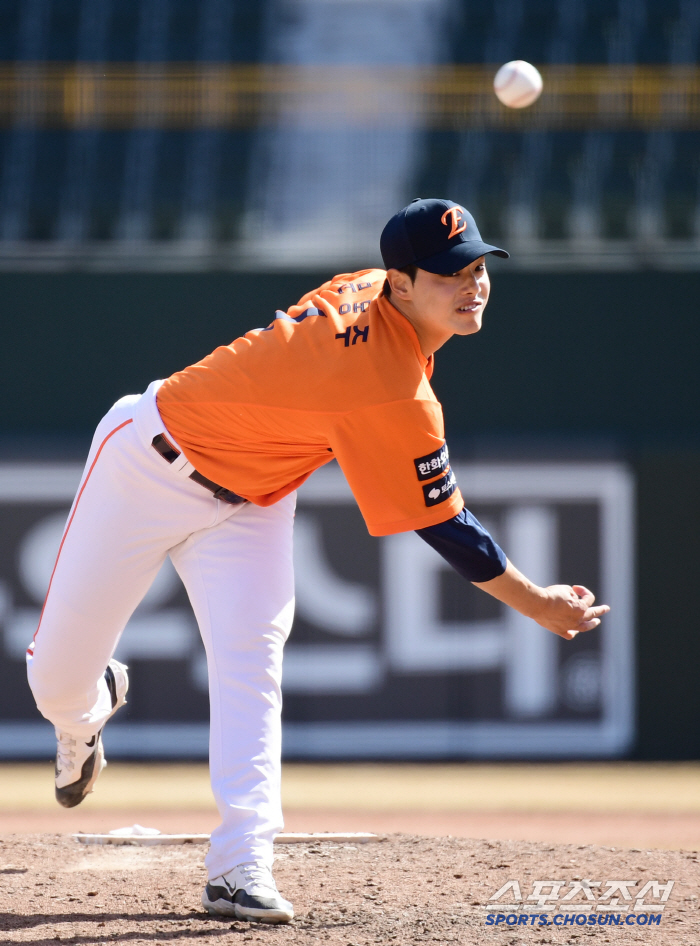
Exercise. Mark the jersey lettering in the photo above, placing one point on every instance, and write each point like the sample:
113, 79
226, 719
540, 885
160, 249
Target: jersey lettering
440, 490
354, 288
360, 306
345, 308
433, 464
359, 333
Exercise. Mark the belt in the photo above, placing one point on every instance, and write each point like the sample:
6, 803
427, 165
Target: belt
163, 446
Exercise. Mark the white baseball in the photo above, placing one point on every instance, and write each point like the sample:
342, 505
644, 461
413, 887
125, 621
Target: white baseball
517, 84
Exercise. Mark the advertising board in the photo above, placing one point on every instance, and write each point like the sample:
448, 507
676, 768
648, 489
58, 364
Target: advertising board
392, 654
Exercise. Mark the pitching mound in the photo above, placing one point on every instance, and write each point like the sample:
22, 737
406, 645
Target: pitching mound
402, 890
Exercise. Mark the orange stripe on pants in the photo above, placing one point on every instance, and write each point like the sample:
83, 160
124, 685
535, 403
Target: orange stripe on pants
72, 516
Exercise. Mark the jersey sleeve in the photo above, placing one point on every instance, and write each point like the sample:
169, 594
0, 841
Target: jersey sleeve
467, 546
396, 462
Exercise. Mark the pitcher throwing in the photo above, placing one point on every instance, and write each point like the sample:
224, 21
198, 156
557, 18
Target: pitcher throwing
203, 467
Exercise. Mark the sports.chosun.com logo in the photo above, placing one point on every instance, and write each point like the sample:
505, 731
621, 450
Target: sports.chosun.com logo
589, 903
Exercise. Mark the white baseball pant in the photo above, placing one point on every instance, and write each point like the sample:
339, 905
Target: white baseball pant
132, 509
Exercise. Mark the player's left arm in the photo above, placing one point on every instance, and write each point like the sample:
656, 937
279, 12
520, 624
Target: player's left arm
464, 543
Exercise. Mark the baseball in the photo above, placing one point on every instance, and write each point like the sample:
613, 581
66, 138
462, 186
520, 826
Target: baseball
517, 84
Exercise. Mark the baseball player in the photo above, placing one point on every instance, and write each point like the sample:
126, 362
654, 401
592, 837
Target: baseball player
203, 467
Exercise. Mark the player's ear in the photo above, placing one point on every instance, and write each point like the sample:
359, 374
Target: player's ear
401, 283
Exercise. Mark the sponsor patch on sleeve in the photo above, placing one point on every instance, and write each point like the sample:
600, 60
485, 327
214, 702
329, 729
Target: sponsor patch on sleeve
440, 490
433, 464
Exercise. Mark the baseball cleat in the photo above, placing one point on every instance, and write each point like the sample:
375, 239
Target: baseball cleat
248, 892
79, 763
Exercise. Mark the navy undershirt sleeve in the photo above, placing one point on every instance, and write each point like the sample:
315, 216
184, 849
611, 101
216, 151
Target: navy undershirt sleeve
467, 546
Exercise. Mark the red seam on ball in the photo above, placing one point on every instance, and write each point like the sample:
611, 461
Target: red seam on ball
508, 81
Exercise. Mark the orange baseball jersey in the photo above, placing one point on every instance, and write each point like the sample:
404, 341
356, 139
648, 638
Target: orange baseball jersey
341, 374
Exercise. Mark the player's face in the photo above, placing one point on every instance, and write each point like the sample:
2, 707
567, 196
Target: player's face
455, 302
439, 307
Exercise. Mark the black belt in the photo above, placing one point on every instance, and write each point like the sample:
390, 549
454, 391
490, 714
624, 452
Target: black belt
169, 453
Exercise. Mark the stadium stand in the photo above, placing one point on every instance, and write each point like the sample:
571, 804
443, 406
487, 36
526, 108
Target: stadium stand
133, 132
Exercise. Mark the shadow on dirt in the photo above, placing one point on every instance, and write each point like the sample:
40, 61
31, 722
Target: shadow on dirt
211, 926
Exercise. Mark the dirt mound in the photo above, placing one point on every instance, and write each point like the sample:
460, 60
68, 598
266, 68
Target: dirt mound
402, 890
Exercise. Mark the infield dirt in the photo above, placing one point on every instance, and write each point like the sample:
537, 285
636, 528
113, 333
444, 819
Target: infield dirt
401, 890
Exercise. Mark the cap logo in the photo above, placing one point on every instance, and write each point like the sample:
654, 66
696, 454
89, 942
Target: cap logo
455, 215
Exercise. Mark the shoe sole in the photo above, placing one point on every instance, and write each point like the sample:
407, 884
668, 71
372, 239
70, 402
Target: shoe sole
70, 796
224, 908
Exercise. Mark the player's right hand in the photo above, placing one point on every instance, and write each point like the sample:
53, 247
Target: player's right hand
567, 610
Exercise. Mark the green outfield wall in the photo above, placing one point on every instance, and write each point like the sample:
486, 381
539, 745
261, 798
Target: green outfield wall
588, 364
580, 355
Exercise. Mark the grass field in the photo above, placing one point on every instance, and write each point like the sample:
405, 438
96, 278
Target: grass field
623, 804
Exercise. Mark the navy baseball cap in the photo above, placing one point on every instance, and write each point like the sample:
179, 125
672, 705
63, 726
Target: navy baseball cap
439, 236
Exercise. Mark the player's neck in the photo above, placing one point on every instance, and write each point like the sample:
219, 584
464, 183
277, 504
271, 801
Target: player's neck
429, 338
